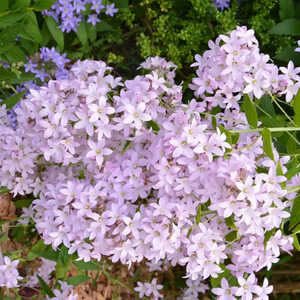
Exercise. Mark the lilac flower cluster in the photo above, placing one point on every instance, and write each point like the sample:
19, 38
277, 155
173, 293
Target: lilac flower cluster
222, 4
65, 292
247, 287
9, 274
127, 171
148, 289
48, 64
234, 66
69, 13
194, 288
44, 271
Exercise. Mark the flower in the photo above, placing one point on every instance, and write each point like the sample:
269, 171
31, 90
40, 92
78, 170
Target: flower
225, 292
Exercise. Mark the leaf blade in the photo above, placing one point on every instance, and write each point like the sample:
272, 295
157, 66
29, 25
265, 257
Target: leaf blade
250, 111
267, 142
55, 32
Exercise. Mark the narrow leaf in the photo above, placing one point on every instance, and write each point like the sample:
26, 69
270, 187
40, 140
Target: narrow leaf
31, 28
296, 102
153, 125
82, 33
295, 214
43, 4
42, 250
81, 265
267, 142
76, 280
126, 146
103, 26
287, 27
10, 102
45, 287
12, 17
92, 32
21, 3
13, 53
250, 111
288, 54
56, 32
296, 241
198, 215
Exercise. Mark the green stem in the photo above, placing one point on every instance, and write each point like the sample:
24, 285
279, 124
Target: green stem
272, 129
116, 281
282, 110
247, 146
293, 189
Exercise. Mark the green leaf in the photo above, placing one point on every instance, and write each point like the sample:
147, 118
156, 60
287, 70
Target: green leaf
43, 4
288, 54
3, 5
235, 138
23, 203
230, 222
63, 263
295, 214
287, 27
46, 35
296, 103
56, 32
42, 250
250, 111
267, 142
21, 3
103, 26
216, 282
9, 35
291, 146
10, 77
214, 122
45, 287
81, 265
126, 146
121, 3
152, 124
92, 32
3, 190
31, 28
76, 280
82, 33
287, 9
198, 215
296, 241
13, 53
292, 172
13, 100
267, 105
296, 229
232, 236
11, 17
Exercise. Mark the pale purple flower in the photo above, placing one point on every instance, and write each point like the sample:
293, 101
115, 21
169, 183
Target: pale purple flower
225, 292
